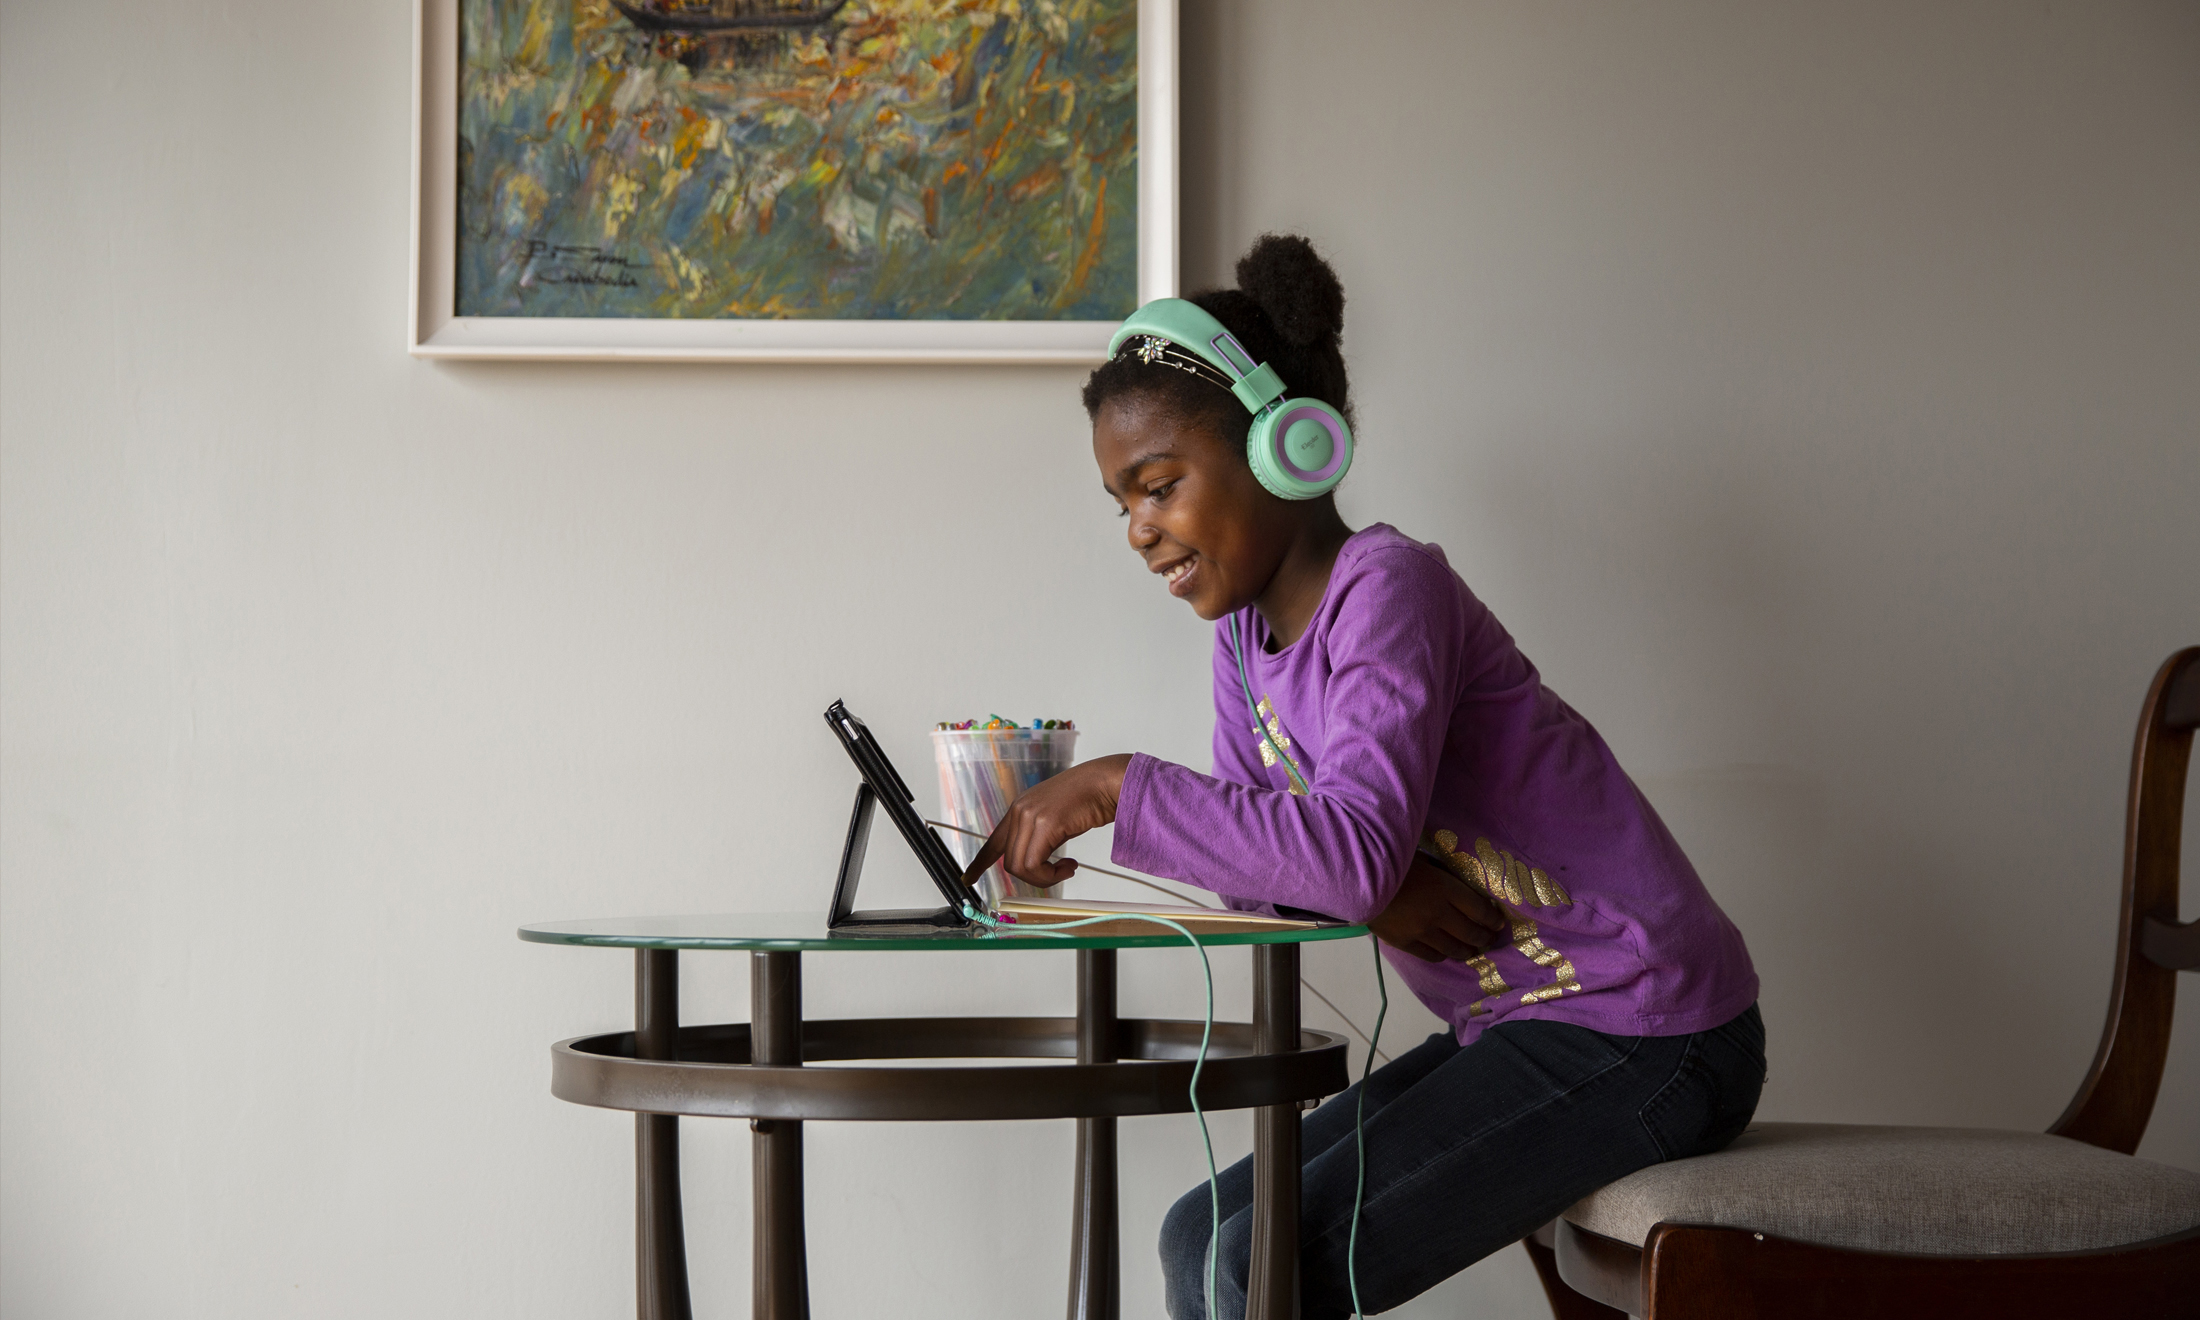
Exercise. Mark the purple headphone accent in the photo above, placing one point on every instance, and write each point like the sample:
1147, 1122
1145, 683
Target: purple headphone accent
1231, 351
1281, 426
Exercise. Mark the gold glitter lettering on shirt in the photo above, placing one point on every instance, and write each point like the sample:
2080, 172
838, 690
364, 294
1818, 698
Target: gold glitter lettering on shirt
1498, 877
1267, 711
1456, 862
1500, 874
1528, 940
1466, 868
1493, 981
1512, 883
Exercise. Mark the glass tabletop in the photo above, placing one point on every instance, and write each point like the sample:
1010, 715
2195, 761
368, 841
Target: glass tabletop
805, 931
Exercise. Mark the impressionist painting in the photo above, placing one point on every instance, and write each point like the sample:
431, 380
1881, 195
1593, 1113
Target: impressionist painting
774, 159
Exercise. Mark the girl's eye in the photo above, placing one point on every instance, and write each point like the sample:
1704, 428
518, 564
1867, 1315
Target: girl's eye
1160, 493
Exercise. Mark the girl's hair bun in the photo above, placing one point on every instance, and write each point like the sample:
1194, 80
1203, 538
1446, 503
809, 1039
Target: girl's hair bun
1295, 288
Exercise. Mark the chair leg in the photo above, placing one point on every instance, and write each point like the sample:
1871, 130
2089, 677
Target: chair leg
1566, 1304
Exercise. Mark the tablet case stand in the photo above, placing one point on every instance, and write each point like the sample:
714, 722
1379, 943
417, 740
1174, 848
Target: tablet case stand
880, 778
844, 919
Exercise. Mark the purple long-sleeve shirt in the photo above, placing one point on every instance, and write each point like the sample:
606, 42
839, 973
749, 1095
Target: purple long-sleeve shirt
1415, 722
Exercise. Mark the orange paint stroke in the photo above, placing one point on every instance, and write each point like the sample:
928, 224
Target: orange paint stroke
597, 119
687, 144
1083, 269
1035, 184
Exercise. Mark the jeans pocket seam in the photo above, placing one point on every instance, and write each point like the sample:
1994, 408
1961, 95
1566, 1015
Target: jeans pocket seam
1683, 1070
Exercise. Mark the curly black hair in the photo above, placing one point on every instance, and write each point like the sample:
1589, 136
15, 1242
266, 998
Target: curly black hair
1287, 310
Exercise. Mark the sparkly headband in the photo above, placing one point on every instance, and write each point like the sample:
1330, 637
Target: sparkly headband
1155, 351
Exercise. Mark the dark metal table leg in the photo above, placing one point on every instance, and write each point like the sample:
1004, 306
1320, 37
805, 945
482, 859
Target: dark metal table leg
1273, 1290
781, 1274
660, 1244
1095, 1268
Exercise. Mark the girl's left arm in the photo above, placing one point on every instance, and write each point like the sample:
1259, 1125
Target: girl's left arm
1396, 648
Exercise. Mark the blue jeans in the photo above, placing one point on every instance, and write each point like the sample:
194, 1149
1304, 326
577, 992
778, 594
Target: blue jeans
1470, 1150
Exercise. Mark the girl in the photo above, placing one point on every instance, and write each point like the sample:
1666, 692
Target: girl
1406, 768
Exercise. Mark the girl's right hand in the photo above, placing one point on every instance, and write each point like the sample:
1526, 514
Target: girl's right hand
1437, 917
1048, 815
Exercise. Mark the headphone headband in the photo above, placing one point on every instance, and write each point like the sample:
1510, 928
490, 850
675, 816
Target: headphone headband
1190, 326
1298, 448
1155, 351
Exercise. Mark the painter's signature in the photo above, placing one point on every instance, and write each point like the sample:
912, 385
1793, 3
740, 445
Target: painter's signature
543, 262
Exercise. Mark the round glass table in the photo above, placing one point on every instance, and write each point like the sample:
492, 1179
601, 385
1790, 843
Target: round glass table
1115, 1066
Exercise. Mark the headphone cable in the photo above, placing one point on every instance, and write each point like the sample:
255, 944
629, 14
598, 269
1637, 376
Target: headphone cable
1194, 901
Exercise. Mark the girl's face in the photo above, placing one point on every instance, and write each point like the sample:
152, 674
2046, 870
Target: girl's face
1196, 514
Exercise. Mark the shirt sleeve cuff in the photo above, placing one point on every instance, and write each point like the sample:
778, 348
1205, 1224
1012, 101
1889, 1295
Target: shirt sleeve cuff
1130, 810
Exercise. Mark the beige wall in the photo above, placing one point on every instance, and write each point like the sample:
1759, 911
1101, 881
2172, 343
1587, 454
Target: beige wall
1810, 388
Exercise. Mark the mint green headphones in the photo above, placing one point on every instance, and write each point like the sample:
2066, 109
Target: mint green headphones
1298, 448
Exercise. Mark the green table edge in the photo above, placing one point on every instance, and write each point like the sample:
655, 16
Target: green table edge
638, 936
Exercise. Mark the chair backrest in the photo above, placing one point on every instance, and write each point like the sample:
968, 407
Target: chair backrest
2117, 1096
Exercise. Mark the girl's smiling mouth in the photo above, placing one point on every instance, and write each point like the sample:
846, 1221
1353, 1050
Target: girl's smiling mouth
1179, 574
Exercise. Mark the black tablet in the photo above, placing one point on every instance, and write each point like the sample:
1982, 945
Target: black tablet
883, 784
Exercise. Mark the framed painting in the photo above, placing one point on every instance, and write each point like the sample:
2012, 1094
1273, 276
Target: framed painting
790, 180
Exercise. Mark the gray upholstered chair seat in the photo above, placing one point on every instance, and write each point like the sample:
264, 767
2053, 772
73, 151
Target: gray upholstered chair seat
1926, 1191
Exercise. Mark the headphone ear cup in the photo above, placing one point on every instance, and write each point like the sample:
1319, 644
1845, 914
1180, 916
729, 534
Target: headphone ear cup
1299, 449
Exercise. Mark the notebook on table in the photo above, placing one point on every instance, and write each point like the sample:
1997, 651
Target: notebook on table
1040, 912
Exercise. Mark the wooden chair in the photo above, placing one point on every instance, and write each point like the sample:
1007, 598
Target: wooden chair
1815, 1219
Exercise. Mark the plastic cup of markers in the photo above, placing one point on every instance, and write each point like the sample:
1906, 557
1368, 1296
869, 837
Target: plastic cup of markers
981, 772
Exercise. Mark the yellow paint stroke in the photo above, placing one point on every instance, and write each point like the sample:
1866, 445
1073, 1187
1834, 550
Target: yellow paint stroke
625, 191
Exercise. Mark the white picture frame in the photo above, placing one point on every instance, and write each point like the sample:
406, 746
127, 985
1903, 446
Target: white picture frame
436, 331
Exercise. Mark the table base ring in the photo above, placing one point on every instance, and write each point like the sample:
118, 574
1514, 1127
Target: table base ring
711, 1076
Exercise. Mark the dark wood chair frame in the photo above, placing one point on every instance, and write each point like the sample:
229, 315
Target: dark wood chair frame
1686, 1271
